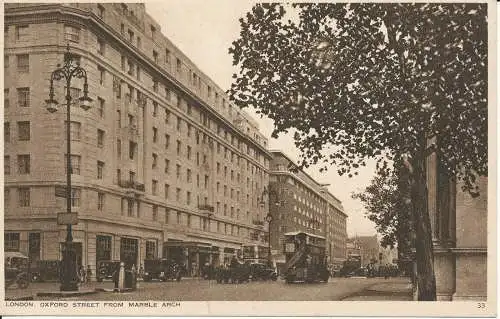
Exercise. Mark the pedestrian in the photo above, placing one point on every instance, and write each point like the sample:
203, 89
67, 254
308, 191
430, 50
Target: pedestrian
81, 274
88, 274
141, 271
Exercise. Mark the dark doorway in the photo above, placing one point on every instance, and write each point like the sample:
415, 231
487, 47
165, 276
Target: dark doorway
129, 251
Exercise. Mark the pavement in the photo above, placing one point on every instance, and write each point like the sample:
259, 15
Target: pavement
393, 290
196, 289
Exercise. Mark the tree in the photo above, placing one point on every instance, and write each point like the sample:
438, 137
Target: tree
386, 203
373, 80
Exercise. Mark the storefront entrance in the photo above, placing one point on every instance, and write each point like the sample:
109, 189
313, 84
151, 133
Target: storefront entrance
129, 251
103, 249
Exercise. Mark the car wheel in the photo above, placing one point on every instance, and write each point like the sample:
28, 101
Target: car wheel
22, 283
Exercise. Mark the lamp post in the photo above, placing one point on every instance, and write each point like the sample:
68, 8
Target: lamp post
269, 219
68, 71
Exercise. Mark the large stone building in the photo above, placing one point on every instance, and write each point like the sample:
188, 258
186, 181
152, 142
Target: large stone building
162, 165
459, 234
299, 203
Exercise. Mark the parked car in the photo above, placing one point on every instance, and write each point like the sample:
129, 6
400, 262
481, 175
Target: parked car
45, 270
16, 269
262, 272
161, 269
106, 269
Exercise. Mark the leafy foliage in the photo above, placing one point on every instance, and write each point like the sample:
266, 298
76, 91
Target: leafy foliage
386, 203
368, 80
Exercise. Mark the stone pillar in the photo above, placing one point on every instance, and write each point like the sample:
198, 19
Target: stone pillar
116, 248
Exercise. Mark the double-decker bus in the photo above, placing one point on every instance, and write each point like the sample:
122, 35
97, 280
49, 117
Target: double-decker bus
305, 258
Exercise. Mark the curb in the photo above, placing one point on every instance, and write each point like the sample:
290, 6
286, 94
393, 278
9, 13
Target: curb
66, 294
20, 298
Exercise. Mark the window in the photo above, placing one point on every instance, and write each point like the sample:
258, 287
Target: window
6, 101
188, 152
188, 198
75, 163
100, 11
119, 118
167, 116
155, 161
130, 35
23, 130
6, 131
179, 217
100, 169
155, 217
22, 32
155, 108
102, 74
6, 61
155, 86
155, 56
167, 56
139, 42
179, 122
101, 46
189, 109
177, 194
11, 241
119, 148
23, 196
167, 141
100, 201
100, 138
6, 165
71, 33
132, 149
154, 187
206, 181
23, 97
130, 207
119, 176
167, 191
188, 175
167, 166
179, 66
178, 171
155, 135
23, 164
178, 147
101, 106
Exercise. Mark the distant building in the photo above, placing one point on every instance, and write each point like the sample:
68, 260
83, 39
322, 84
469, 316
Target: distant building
298, 203
369, 247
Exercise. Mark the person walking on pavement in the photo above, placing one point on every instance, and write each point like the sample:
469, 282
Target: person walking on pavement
88, 275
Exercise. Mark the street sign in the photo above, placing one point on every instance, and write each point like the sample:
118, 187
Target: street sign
61, 191
67, 219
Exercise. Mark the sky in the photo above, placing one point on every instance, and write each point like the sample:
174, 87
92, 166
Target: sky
204, 30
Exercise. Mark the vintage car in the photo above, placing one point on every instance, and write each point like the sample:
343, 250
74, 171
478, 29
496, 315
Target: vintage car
161, 269
236, 272
16, 269
45, 270
260, 271
106, 269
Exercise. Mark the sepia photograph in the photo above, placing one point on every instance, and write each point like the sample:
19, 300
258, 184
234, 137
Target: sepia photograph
248, 158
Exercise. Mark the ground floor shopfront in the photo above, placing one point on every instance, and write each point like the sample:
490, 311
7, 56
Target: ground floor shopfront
98, 240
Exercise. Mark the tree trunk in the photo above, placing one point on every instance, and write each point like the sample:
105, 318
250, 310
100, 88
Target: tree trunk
424, 251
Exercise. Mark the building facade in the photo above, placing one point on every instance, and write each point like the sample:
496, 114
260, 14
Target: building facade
162, 165
298, 203
459, 234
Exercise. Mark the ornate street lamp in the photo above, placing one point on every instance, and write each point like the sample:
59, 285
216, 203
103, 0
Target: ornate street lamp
68, 71
269, 219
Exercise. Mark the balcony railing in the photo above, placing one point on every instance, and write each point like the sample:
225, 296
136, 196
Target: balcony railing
258, 222
132, 185
206, 208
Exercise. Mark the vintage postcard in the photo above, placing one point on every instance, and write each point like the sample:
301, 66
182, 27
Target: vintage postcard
244, 158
